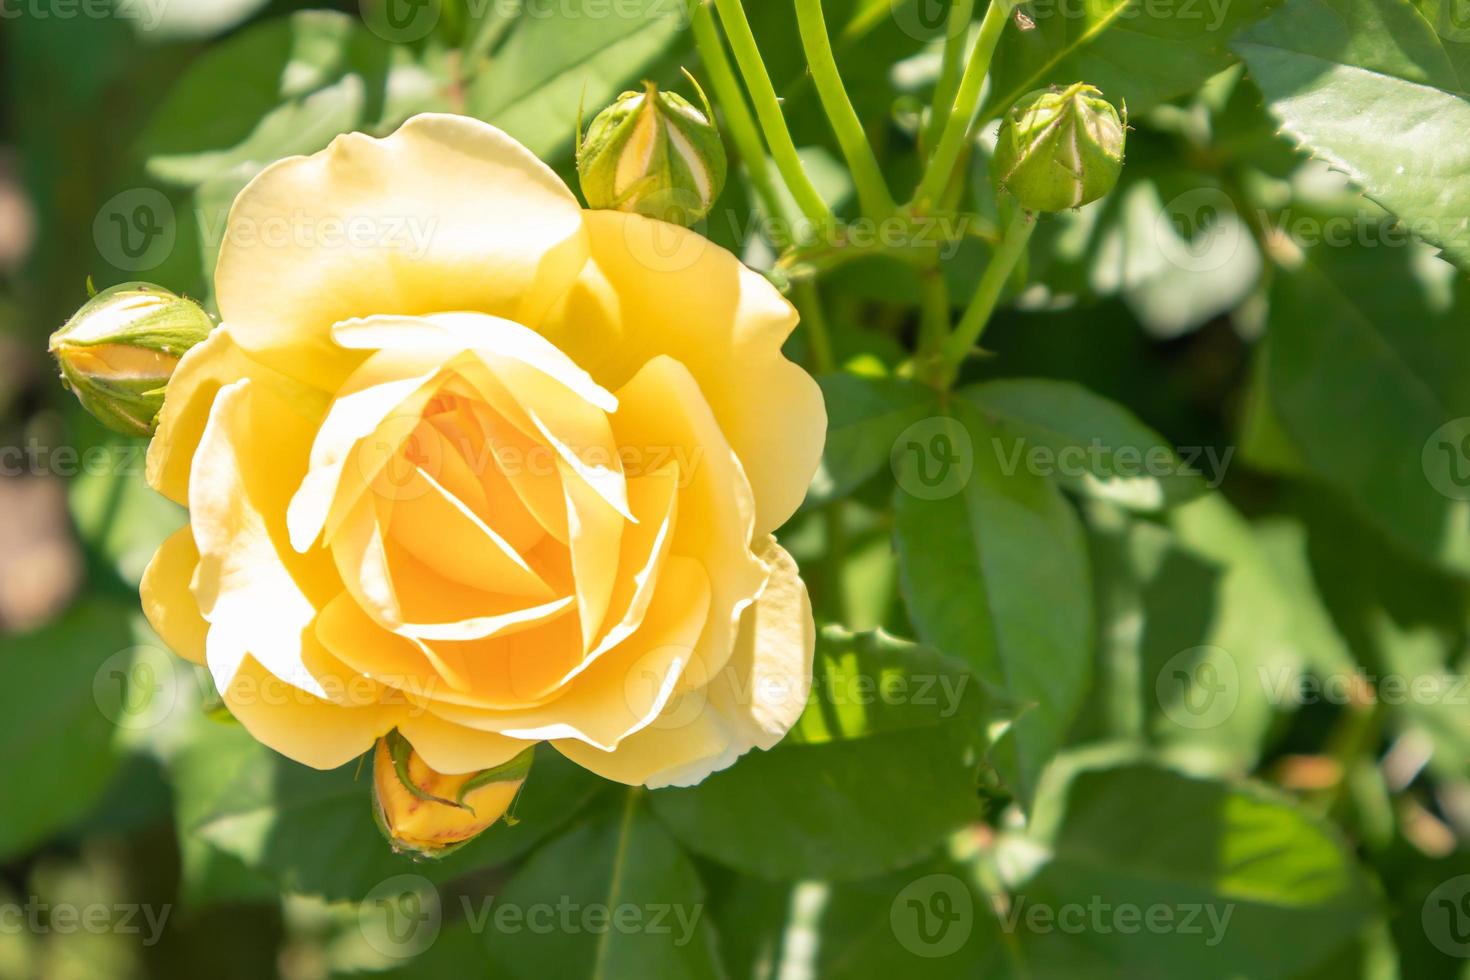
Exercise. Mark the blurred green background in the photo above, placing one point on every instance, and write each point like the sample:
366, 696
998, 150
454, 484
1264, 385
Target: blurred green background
1232, 294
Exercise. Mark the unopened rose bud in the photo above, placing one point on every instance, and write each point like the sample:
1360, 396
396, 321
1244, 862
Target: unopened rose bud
428, 814
119, 350
653, 153
1060, 149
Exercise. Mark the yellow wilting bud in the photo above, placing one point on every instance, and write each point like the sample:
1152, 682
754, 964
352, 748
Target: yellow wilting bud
1060, 149
119, 350
653, 153
430, 815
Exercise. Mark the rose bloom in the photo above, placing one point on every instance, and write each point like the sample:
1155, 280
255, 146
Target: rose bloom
467, 460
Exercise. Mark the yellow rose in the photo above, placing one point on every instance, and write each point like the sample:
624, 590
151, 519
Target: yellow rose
468, 461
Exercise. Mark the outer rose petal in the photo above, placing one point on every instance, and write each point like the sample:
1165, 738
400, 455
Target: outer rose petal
454, 750
259, 596
764, 688
314, 732
753, 702
447, 213
652, 288
663, 411
199, 376
168, 601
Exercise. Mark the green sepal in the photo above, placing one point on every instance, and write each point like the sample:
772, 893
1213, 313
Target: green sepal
177, 324
517, 768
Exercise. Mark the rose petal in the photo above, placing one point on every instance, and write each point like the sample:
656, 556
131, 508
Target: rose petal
652, 288
391, 388
753, 702
407, 597
497, 339
258, 595
453, 749
447, 213
655, 499
314, 732
425, 522
626, 689
662, 414
168, 601
200, 374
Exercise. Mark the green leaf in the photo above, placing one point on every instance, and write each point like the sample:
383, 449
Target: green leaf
1405, 621
880, 766
928, 922
1130, 244
202, 774
1369, 373
293, 84
994, 571
201, 19
279, 88
1369, 87
1094, 447
622, 899
313, 832
865, 417
1137, 52
117, 514
57, 746
578, 52
1206, 626
1251, 884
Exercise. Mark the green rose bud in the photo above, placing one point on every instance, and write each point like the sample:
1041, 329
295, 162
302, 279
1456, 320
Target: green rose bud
653, 153
119, 350
1060, 149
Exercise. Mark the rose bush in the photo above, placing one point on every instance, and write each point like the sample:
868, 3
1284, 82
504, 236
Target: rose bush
512, 480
